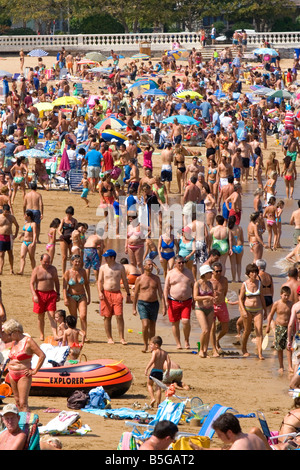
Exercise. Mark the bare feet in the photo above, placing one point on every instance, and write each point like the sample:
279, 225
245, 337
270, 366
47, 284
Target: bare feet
123, 342
110, 341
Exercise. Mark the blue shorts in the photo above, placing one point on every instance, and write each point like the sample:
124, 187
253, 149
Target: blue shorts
91, 258
237, 172
225, 211
85, 192
148, 310
36, 216
152, 255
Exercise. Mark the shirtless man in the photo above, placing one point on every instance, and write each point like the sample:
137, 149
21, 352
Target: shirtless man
237, 164
70, 63
295, 220
12, 438
220, 285
177, 132
167, 157
236, 203
7, 220
192, 196
45, 289
33, 201
5, 198
293, 283
224, 170
146, 293
194, 168
228, 429
147, 179
111, 300
246, 153
134, 179
92, 254
293, 148
178, 294
224, 194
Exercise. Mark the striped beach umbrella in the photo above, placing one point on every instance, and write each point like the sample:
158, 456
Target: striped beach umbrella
38, 53
114, 124
140, 56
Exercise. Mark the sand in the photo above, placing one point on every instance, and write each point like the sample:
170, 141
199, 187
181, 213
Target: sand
246, 384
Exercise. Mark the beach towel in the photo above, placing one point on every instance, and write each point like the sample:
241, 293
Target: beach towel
67, 422
120, 413
127, 442
55, 355
98, 398
170, 411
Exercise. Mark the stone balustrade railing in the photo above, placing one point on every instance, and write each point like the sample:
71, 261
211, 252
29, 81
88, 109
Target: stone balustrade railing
130, 42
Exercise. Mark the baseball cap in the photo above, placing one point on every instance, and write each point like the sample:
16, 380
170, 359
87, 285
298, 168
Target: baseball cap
110, 253
205, 269
10, 408
10, 137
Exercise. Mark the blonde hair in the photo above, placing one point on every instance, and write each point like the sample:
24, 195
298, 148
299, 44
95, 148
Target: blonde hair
12, 325
52, 440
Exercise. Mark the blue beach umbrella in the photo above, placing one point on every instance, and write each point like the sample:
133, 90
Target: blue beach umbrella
37, 53
118, 55
3, 73
155, 92
184, 120
189, 106
265, 51
33, 153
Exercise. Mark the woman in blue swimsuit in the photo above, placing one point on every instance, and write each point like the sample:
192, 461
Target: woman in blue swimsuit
166, 249
237, 237
29, 242
76, 290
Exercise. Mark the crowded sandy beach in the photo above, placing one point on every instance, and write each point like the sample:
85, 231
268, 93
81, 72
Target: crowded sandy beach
158, 229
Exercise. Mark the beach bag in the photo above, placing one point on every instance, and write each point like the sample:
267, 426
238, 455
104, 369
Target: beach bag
98, 398
77, 400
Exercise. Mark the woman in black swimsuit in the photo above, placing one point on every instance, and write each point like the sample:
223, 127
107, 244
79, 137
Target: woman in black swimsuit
67, 226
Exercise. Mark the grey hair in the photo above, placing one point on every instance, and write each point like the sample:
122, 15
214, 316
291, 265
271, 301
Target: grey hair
261, 264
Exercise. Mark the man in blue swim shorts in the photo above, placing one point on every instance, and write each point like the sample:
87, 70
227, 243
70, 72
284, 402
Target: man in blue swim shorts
147, 292
92, 254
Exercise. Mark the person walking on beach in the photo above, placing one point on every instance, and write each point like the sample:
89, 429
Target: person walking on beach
7, 221
34, 201
220, 286
45, 290
178, 294
111, 300
295, 220
147, 291
156, 364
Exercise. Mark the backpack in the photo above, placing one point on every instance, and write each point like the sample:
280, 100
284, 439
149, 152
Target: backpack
77, 400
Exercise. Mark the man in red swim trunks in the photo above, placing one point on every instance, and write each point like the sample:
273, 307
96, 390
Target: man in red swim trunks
45, 289
236, 203
178, 293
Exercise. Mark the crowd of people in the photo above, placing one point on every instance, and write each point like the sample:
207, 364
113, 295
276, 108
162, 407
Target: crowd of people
183, 216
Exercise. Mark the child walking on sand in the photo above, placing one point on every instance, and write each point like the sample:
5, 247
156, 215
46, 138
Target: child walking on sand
156, 364
86, 187
282, 308
71, 339
61, 325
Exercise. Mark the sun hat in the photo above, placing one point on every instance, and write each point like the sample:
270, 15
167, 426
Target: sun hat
10, 408
205, 269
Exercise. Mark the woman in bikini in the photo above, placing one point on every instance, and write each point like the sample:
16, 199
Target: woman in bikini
211, 177
221, 240
76, 290
29, 242
291, 421
19, 368
254, 237
289, 174
65, 229
179, 161
18, 173
135, 242
252, 307
50, 247
210, 206
267, 285
270, 216
166, 248
204, 309
237, 248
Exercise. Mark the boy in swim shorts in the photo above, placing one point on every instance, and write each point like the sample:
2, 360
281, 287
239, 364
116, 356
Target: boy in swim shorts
156, 364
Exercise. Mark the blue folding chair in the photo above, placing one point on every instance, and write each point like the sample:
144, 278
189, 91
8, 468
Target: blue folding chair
216, 411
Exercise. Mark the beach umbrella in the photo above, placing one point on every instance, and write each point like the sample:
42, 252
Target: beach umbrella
44, 106
95, 56
185, 93
146, 83
155, 92
114, 123
37, 53
101, 69
279, 94
182, 119
178, 53
140, 56
3, 73
118, 55
66, 101
87, 62
265, 51
189, 106
33, 153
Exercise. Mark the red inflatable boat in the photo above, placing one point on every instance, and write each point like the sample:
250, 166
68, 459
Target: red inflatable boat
62, 381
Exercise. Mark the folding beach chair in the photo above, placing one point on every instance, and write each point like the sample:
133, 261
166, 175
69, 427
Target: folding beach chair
75, 176
216, 411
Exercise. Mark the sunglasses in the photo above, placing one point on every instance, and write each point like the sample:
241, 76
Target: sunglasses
218, 270
180, 262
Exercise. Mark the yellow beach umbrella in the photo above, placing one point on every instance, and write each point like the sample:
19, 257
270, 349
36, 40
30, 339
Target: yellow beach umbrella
66, 101
185, 93
44, 106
